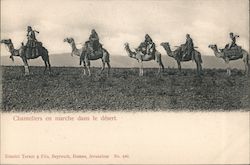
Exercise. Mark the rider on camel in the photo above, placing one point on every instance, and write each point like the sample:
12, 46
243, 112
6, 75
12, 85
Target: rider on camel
233, 42
32, 42
94, 40
148, 46
188, 46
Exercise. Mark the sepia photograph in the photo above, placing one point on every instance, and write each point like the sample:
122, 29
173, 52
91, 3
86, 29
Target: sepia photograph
125, 55
125, 82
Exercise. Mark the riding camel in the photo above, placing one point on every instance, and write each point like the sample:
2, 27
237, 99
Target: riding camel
22, 52
138, 56
237, 54
178, 56
86, 57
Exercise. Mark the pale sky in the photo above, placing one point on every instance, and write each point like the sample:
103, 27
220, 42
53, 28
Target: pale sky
120, 21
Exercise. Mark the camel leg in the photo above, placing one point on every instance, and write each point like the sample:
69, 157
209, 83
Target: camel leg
229, 72
26, 67
159, 61
159, 70
88, 67
84, 65
108, 67
246, 68
228, 68
103, 66
197, 67
26, 70
84, 68
179, 66
246, 62
45, 58
49, 66
161, 67
141, 69
45, 67
200, 68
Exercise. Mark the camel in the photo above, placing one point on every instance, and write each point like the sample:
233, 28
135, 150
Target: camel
227, 59
178, 57
21, 52
140, 57
86, 57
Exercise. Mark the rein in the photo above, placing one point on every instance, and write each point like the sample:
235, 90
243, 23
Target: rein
80, 43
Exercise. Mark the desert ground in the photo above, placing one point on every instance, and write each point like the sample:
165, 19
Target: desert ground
66, 89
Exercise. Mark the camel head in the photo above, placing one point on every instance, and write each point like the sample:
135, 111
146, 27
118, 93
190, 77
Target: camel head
216, 52
165, 44
6, 41
69, 40
130, 53
213, 46
126, 45
10, 46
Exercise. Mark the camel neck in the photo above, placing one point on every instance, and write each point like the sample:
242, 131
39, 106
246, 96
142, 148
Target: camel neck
11, 49
128, 50
216, 52
73, 45
168, 50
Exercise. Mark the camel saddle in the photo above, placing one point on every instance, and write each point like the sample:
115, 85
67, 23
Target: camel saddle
233, 52
32, 52
183, 53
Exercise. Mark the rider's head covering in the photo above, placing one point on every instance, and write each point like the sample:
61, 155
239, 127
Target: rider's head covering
148, 38
29, 28
187, 35
93, 31
231, 33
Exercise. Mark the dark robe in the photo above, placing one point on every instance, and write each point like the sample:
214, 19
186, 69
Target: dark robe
31, 39
147, 47
188, 46
94, 41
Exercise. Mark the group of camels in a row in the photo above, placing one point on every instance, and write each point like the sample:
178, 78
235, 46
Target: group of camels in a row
105, 57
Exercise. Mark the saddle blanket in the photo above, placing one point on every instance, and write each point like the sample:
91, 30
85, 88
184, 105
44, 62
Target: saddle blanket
233, 52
